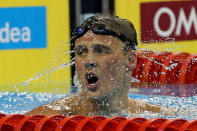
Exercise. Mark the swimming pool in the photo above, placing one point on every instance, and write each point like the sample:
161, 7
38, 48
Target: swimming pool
183, 100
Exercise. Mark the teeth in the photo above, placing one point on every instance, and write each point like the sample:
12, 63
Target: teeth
90, 76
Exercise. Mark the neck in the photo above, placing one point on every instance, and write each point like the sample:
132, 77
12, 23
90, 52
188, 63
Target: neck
108, 105
116, 104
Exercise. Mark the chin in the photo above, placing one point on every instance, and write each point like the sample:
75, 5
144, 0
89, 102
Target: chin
94, 95
97, 95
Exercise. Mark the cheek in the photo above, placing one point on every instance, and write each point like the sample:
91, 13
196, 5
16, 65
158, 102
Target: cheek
112, 66
78, 67
79, 71
78, 64
113, 62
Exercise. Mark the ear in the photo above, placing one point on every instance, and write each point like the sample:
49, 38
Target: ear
132, 60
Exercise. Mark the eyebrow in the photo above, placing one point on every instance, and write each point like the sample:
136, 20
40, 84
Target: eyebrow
101, 46
95, 46
79, 46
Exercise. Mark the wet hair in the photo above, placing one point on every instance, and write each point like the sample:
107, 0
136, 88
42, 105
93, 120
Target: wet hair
109, 25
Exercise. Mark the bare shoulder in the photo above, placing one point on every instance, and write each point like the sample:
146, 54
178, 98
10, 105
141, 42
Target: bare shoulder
137, 106
63, 106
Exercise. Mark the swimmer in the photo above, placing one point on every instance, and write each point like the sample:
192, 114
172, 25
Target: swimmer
105, 56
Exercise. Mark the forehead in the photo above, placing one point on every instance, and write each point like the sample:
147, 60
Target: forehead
91, 38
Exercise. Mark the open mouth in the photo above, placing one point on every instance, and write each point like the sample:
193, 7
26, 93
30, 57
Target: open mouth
91, 78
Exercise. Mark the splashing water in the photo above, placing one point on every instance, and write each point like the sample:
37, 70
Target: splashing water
55, 65
184, 106
19, 103
23, 102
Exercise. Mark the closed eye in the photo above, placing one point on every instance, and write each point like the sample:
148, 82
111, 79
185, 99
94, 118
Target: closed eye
81, 50
101, 49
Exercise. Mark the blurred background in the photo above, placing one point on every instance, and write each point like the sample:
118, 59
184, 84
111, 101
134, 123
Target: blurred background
35, 52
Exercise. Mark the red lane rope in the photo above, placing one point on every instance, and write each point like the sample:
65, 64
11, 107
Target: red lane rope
166, 68
16, 122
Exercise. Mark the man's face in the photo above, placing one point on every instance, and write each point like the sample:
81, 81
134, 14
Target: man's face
100, 64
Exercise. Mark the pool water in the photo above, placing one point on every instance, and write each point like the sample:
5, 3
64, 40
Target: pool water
19, 103
186, 106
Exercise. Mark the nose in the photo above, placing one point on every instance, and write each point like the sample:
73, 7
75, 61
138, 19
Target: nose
89, 62
90, 65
